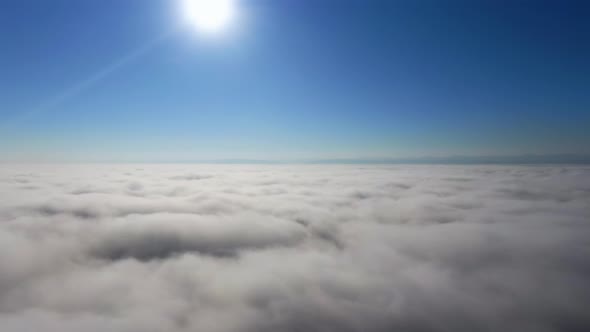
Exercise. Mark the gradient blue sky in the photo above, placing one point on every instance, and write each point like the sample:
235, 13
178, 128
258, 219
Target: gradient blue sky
124, 80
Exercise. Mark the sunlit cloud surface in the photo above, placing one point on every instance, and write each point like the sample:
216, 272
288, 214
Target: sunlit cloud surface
294, 248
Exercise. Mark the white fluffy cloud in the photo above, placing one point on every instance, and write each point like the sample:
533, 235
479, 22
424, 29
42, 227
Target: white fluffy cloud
294, 248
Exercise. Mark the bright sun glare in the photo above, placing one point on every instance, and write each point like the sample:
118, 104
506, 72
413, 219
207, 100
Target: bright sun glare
208, 15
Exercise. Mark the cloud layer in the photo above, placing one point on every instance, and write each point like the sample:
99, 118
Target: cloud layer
294, 248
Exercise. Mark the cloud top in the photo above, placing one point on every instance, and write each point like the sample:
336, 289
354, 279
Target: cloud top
294, 248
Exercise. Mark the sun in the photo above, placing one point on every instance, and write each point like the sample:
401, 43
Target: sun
208, 15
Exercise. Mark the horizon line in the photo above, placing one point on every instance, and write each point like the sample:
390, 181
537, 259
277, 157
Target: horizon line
529, 159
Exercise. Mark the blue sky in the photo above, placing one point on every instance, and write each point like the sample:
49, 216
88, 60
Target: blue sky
124, 80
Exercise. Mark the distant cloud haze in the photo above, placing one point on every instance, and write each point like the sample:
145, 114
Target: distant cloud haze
226, 248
